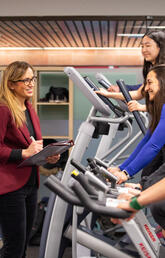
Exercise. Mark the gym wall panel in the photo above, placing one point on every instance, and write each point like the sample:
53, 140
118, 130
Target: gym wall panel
61, 57
83, 7
130, 75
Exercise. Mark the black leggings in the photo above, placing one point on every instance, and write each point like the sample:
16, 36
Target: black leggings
17, 212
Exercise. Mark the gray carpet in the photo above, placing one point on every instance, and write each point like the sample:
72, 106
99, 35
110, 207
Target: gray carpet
33, 252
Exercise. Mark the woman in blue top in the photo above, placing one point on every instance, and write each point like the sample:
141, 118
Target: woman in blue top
153, 51
153, 141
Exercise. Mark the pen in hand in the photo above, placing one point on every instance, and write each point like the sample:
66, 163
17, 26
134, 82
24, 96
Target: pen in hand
34, 147
32, 138
38, 143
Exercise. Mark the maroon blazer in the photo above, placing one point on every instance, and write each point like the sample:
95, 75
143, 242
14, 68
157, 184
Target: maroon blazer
11, 137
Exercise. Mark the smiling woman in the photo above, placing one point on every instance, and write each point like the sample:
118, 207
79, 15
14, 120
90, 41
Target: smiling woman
153, 51
18, 192
150, 49
23, 88
152, 85
153, 141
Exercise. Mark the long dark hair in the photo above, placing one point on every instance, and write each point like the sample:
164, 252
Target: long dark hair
159, 38
154, 107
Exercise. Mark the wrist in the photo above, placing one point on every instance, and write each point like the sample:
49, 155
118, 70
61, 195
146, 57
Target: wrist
143, 108
134, 204
24, 154
126, 173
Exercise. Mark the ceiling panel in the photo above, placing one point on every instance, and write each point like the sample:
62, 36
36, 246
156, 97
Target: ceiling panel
48, 32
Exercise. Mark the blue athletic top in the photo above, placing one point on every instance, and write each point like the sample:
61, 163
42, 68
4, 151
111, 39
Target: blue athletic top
147, 149
133, 87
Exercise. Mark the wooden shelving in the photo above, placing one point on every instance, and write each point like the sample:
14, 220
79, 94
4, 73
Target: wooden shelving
58, 115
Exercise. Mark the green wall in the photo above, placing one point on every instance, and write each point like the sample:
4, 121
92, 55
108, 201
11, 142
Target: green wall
82, 106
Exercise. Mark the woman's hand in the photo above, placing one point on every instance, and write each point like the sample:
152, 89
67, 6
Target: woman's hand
103, 92
134, 105
124, 206
53, 159
134, 191
125, 196
114, 169
133, 185
122, 177
113, 88
34, 147
130, 191
110, 94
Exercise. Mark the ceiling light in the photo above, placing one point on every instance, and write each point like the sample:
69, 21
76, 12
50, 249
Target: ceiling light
156, 27
130, 35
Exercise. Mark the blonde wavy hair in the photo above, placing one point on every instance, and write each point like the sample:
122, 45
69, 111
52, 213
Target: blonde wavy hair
13, 72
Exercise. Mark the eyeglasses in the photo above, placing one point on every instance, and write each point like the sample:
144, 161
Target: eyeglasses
27, 81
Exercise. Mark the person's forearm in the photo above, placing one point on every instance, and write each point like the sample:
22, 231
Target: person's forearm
115, 95
153, 194
136, 95
143, 108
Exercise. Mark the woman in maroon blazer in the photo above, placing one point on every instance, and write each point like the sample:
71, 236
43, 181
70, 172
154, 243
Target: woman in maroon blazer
18, 188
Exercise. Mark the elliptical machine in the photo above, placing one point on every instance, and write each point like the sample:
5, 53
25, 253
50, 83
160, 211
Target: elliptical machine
57, 208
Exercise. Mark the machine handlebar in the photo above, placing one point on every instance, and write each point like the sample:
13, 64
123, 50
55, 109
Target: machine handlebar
64, 192
128, 98
103, 171
93, 179
83, 180
104, 84
78, 165
80, 197
117, 110
96, 207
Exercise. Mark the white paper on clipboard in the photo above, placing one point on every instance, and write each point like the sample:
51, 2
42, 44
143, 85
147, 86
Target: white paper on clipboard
39, 159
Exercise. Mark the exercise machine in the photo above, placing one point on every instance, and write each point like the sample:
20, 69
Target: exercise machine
138, 229
55, 218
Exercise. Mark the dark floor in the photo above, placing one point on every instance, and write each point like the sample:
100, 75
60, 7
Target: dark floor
33, 252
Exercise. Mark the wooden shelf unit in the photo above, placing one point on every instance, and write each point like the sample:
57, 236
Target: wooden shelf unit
50, 107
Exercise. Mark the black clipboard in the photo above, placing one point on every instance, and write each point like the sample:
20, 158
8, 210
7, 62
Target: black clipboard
39, 159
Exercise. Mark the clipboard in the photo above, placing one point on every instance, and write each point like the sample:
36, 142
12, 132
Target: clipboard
39, 159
